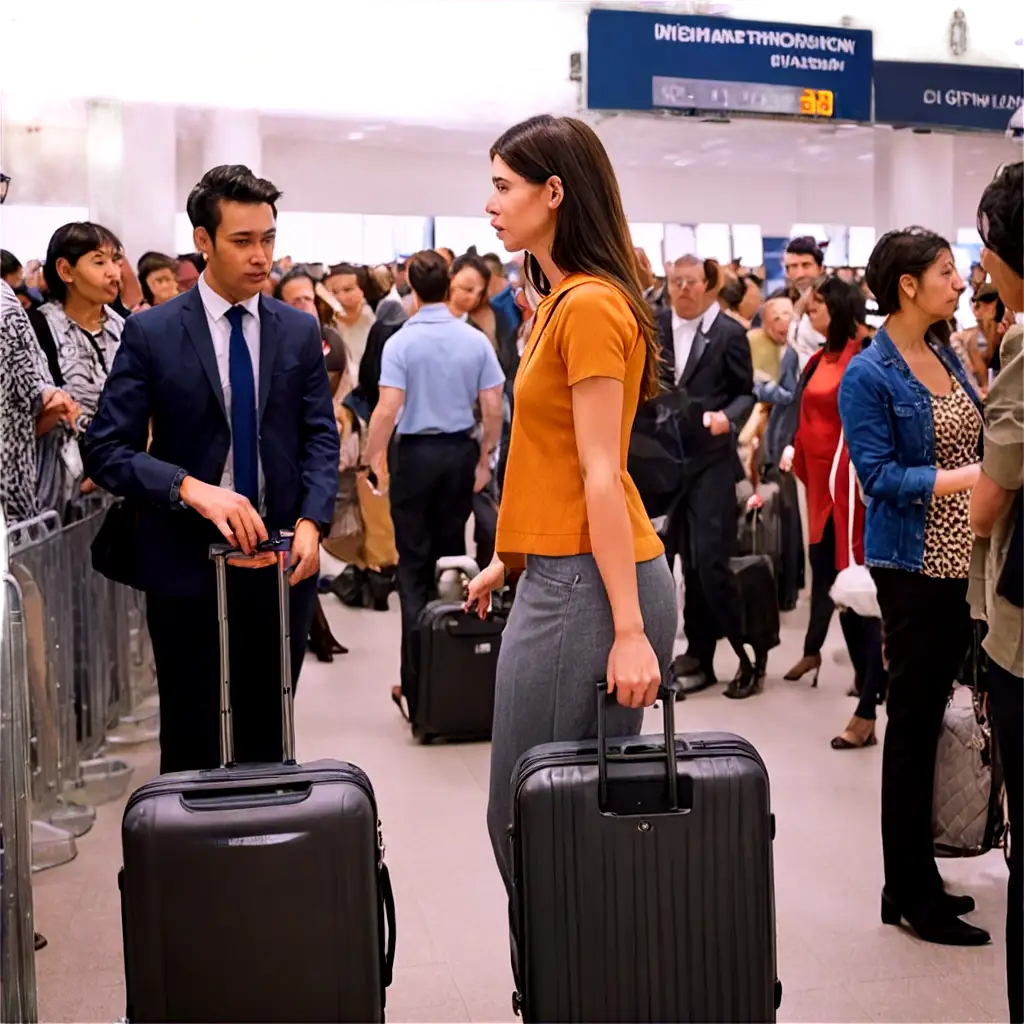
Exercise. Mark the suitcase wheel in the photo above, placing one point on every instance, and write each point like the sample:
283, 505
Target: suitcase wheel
778, 993
517, 1004
422, 736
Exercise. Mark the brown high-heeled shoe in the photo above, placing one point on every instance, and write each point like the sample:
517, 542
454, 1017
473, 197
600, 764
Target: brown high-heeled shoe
808, 663
859, 732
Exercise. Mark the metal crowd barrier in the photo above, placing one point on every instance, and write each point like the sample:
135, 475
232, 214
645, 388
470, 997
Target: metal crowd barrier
88, 674
17, 949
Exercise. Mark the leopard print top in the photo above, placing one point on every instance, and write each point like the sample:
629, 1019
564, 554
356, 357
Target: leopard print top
947, 530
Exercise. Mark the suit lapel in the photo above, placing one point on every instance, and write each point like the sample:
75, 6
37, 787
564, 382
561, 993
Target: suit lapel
198, 329
697, 350
270, 337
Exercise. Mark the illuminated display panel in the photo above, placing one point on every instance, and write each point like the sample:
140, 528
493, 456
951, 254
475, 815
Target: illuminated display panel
742, 97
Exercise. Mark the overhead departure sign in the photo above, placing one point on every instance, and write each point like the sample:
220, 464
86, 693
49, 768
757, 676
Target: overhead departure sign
947, 95
642, 61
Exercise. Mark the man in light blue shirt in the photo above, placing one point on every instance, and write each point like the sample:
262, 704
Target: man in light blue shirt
434, 371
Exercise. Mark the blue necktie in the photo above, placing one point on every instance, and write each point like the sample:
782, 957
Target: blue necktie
243, 411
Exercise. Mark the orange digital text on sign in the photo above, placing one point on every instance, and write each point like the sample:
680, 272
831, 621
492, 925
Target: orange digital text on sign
816, 103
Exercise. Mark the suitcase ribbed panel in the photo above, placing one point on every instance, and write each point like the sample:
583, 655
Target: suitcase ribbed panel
661, 917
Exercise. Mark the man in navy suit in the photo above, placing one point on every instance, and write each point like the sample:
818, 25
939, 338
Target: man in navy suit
216, 423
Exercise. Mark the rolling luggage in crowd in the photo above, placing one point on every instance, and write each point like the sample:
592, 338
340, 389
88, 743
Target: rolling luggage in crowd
458, 661
757, 564
256, 892
643, 879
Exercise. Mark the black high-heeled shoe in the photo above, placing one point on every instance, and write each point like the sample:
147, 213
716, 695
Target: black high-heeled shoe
934, 923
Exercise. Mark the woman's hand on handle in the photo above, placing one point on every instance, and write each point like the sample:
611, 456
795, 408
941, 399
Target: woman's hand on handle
634, 674
480, 588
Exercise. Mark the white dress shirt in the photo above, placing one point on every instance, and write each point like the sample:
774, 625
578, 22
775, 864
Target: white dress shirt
217, 307
684, 333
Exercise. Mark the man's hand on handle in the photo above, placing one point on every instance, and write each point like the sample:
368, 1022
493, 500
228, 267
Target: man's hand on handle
230, 512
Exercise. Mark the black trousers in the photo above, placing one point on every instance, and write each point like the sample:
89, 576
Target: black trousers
186, 648
703, 534
863, 636
1006, 707
927, 631
431, 499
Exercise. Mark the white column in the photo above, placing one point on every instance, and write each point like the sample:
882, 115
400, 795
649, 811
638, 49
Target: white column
233, 137
149, 197
104, 163
914, 181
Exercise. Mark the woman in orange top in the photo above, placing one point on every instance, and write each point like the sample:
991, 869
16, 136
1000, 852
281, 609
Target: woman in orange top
597, 600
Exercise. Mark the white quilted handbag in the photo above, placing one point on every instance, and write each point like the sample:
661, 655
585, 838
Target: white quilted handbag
854, 589
967, 805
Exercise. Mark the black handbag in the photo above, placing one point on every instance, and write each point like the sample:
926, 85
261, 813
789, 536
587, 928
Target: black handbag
1010, 586
114, 546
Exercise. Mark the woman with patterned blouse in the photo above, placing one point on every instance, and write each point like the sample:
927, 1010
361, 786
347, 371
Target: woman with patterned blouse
913, 426
83, 275
30, 407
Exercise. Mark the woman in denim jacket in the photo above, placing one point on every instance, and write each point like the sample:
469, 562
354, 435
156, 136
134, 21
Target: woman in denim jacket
913, 427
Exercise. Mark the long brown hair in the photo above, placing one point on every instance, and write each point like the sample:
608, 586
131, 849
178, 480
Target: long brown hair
591, 234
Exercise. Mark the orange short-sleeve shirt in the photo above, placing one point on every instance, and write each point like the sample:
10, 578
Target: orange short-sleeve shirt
592, 333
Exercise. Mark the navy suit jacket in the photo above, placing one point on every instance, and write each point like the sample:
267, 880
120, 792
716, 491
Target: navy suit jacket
165, 373
718, 376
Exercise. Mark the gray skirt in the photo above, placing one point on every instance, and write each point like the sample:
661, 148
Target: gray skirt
553, 654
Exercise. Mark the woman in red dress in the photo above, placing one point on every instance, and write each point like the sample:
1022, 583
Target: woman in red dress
820, 459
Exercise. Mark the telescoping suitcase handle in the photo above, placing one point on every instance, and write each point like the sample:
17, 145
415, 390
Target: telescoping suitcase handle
667, 696
220, 553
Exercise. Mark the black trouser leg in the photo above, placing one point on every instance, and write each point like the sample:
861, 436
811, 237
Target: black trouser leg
431, 498
823, 574
706, 541
186, 648
927, 628
874, 678
1006, 705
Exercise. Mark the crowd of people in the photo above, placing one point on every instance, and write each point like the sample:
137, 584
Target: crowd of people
413, 396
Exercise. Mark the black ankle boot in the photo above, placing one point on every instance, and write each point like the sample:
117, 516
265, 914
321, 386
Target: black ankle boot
745, 683
933, 922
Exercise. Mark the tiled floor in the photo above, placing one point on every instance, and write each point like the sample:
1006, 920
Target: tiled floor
836, 961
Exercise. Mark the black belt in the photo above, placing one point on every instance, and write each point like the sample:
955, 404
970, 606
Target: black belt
462, 435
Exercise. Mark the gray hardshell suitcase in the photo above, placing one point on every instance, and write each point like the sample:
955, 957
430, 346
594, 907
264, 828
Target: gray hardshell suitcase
256, 893
643, 893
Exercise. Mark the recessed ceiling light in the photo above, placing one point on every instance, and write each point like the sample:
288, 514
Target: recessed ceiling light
671, 156
355, 136
375, 128
683, 163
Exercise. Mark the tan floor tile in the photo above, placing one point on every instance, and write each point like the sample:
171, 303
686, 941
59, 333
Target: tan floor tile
821, 1005
917, 999
423, 995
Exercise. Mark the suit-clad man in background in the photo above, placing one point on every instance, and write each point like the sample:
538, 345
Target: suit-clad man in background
244, 443
707, 353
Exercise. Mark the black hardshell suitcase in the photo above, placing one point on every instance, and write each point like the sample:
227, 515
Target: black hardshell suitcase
252, 892
642, 894
458, 662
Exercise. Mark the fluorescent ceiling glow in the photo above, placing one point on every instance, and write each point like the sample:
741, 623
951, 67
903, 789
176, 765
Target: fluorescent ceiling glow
384, 48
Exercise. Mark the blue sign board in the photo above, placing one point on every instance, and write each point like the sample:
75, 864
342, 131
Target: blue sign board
947, 95
646, 61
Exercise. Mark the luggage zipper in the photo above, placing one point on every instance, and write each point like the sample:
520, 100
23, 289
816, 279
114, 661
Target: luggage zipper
159, 787
529, 764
